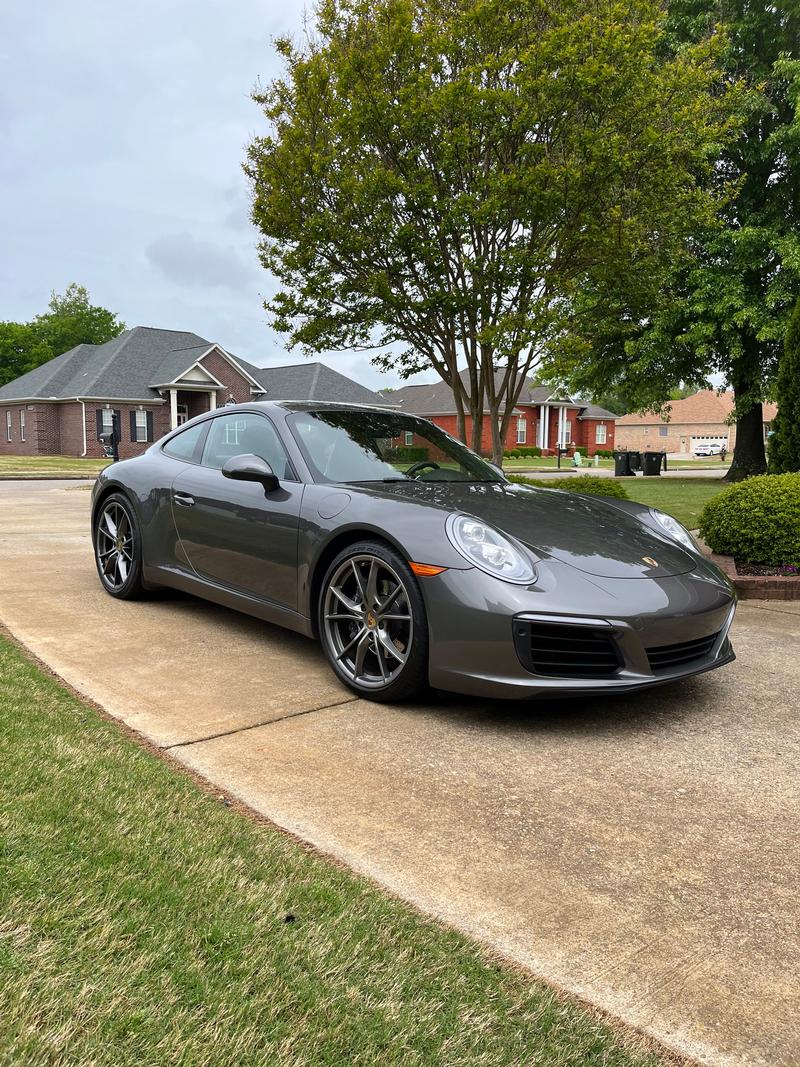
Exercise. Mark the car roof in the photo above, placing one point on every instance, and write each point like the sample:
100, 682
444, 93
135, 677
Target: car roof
321, 405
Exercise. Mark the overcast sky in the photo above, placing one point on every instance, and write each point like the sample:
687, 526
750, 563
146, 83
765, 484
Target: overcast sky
122, 133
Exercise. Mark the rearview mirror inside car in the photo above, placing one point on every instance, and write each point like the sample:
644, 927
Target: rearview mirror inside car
250, 468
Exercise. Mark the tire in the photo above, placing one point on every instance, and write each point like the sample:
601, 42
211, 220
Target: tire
118, 548
381, 655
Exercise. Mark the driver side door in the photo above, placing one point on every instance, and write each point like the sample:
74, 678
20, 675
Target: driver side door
233, 533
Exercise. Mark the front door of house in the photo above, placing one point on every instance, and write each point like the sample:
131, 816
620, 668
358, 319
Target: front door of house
231, 532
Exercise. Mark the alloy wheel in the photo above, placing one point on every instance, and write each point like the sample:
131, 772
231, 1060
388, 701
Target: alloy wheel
114, 546
368, 621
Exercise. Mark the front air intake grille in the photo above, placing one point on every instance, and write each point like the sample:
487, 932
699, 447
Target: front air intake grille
665, 657
565, 651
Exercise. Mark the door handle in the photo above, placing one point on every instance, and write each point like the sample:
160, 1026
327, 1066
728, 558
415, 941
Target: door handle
183, 499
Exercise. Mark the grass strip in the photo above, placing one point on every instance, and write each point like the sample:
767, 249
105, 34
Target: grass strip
143, 922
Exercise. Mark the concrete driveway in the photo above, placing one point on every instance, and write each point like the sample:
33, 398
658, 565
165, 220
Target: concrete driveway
641, 852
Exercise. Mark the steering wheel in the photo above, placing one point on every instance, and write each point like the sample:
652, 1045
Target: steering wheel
421, 465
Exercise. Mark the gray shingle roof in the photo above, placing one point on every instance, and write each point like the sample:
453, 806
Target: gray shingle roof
133, 364
592, 411
437, 398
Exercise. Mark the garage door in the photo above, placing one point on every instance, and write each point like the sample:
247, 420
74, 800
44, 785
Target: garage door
721, 442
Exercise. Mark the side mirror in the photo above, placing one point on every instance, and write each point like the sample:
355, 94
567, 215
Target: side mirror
250, 468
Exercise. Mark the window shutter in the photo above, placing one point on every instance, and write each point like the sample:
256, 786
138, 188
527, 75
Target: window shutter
133, 426
99, 417
150, 426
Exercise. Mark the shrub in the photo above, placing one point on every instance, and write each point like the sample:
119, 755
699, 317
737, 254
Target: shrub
584, 451
584, 483
757, 521
604, 453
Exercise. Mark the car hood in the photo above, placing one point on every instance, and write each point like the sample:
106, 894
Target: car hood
587, 532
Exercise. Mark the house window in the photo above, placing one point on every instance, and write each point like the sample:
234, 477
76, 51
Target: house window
600, 434
522, 430
645, 430
108, 420
663, 431
567, 434
183, 413
408, 437
8, 426
22, 424
141, 425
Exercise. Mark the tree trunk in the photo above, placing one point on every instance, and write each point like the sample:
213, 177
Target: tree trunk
748, 456
497, 436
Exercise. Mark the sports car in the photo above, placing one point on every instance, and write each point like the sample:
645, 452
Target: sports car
411, 559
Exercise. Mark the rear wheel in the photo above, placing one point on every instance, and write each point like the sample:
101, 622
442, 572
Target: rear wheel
117, 548
372, 623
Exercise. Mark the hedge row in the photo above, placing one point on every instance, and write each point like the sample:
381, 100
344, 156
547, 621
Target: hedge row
523, 452
583, 483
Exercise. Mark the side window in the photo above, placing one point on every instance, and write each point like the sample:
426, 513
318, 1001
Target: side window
184, 445
246, 432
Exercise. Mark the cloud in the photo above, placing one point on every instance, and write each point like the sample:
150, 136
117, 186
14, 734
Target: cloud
187, 261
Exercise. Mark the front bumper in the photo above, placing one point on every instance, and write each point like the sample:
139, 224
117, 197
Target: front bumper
477, 628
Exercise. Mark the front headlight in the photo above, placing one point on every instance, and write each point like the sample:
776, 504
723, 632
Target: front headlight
673, 529
488, 549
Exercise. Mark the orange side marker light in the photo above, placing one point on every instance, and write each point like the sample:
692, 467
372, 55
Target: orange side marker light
425, 570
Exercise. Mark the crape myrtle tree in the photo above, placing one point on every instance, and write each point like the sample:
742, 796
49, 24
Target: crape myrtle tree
725, 306
784, 444
440, 177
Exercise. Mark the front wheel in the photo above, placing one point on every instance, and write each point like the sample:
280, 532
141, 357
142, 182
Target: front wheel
372, 623
118, 548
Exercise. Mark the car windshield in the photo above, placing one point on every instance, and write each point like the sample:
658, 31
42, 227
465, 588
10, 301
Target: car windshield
373, 446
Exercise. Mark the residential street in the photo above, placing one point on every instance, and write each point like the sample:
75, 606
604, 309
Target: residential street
641, 852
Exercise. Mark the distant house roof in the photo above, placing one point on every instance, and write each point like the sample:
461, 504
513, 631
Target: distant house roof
706, 407
136, 364
437, 398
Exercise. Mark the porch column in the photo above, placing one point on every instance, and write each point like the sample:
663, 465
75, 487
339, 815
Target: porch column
212, 399
560, 432
544, 413
173, 409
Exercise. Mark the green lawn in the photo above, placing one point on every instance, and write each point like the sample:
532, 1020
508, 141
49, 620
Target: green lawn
49, 466
143, 922
683, 498
549, 463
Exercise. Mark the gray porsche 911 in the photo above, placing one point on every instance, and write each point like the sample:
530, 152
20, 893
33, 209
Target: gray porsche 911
410, 558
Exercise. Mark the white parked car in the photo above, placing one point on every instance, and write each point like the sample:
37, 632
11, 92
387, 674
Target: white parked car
708, 450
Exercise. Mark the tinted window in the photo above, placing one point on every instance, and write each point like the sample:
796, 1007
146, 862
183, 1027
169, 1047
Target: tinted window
369, 446
237, 434
183, 445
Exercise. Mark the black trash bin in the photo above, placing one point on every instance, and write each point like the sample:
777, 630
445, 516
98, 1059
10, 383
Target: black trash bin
622, 465
635, 460
652, 463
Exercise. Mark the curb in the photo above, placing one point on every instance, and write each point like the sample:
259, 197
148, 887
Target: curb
758, 587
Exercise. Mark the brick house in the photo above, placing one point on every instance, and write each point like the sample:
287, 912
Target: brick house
154, 380
701, 419
541, 417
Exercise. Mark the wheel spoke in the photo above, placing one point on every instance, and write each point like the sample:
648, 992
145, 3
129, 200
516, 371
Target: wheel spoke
395, 618
380, 657
348, 603
122, 568
110, 524
335, 617
361, 652
390, 646
359, 580
372, 585
387, 602
111, 562
350, 644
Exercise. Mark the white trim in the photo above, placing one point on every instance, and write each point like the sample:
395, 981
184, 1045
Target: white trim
212, 400
83, 417
233, 363
173, 409
179, 378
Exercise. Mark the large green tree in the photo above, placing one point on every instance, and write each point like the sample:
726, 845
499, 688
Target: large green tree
70, 320
441, 177
725, 306
784, 445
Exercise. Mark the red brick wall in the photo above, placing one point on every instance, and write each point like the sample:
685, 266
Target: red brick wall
582, 430
72, 429
237, 385
41, 430
449, 423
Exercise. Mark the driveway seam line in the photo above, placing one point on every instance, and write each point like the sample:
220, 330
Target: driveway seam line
256, 725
